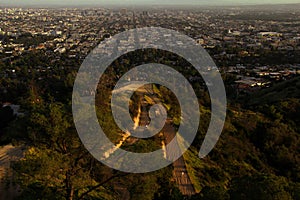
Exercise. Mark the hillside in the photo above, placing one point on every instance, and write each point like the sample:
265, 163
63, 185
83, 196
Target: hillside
279, 92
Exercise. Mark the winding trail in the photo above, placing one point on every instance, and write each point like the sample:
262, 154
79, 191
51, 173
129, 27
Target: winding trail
180, 172
116, 147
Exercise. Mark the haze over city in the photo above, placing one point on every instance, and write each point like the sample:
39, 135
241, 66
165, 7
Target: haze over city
143, 2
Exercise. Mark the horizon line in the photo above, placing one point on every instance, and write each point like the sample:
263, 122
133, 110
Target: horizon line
79, 5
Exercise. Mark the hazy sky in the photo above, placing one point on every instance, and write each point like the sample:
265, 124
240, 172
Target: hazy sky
143, 2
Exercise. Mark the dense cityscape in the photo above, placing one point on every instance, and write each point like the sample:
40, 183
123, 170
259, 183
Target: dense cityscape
238, 44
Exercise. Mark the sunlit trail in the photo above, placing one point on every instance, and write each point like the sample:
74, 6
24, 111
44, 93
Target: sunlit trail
163, 146
116, 147
137, 118
125, 136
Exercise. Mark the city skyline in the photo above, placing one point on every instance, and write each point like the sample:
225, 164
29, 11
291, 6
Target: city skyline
140, 2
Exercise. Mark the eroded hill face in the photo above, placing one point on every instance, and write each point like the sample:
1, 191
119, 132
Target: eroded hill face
8, 154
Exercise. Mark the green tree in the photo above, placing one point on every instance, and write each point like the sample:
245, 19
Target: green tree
212, 193
260, 186
57, 165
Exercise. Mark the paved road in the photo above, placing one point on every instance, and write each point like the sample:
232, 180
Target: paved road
180, 173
